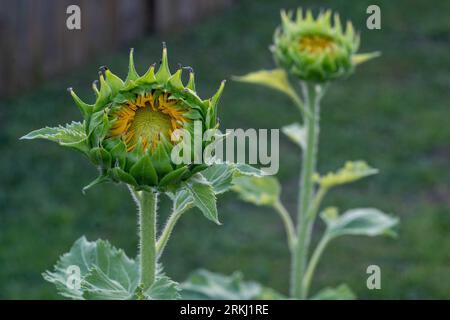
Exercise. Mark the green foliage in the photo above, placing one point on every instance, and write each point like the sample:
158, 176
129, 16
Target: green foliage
206, 285
258, 190
276, 79
296, 133
395, 91
204, 198
352, 171
201, 190
163, 289
105, 273
72, 135
341, 292
220, 176
363, 221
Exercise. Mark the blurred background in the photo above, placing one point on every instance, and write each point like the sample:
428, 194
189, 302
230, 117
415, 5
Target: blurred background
393, 112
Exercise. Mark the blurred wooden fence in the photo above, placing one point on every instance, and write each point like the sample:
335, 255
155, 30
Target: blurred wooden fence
35, 43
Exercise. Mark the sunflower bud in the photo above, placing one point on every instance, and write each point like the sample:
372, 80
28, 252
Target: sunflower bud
128, 132
318, 49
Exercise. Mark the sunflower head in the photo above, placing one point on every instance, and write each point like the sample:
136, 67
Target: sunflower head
130, 130
316, 49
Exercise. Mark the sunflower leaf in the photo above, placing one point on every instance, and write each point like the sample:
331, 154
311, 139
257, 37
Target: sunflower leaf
220, 176
350, 172
203, 197
276, 79
71, 135
362, 221
296, 133
163, 289
341, 292
257, 190
205, 285
94, 270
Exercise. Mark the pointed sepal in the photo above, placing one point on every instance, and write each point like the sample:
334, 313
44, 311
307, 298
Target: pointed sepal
95, 88
103, 95
149, 76
191, 82
163, 73
83, 106
216, 97
132, 74
175, 80
113, 81
364, 57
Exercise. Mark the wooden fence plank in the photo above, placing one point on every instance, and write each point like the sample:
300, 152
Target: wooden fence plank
35, 43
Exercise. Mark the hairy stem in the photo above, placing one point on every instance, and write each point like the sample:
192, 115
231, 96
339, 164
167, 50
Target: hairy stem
304, 224
147, 203
288, 224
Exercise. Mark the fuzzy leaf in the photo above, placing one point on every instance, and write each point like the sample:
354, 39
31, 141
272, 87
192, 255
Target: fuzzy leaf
352, 171
182, 200
296, 133
242, 169
72, 135
258, 190
203, 197
105, 272
98, 285
163, 289
276, 79
342, 292
362, 221
205, 285
220, 176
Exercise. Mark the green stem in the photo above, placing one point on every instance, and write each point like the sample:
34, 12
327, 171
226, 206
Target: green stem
313, 263
288, 224
147, 203
300, 255
315, 205
167, 231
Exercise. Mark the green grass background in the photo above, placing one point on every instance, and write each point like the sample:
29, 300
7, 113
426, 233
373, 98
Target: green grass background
394, 112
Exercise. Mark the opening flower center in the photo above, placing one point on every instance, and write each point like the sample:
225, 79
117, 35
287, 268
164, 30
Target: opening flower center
148, 124
146, 119
316, 44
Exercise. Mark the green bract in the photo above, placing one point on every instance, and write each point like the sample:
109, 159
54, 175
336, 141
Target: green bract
316, 49
129, 131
